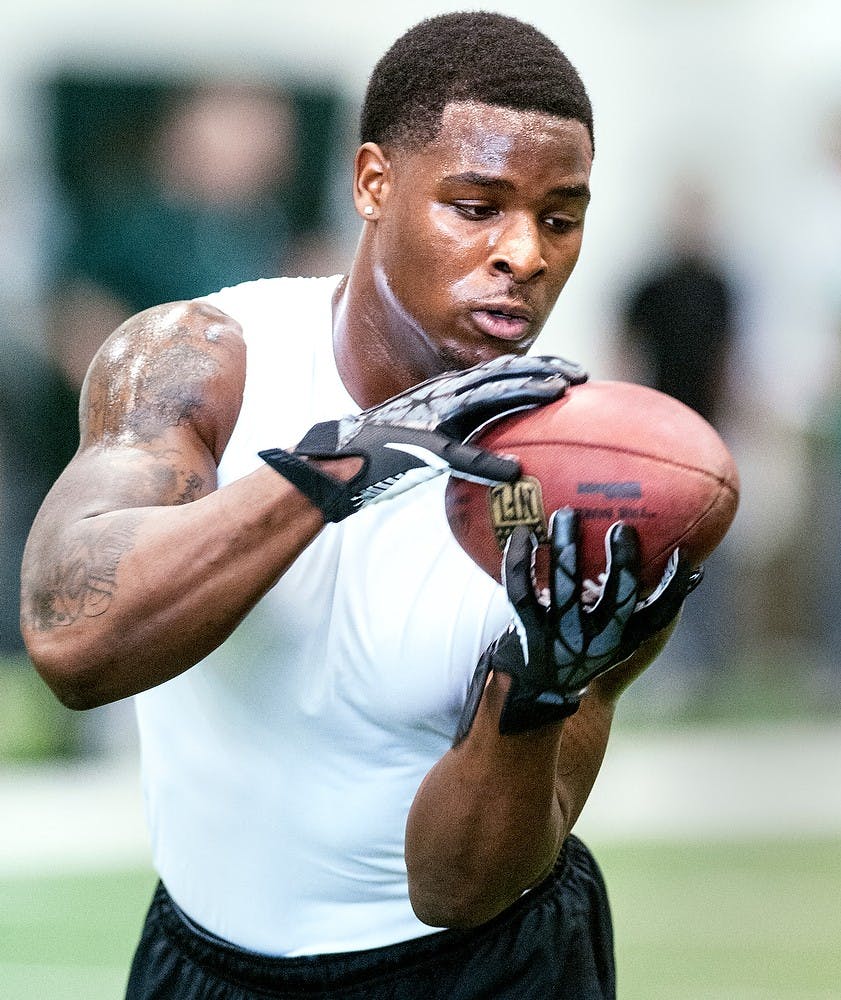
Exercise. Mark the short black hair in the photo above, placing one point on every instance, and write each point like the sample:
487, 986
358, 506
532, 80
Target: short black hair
467, 56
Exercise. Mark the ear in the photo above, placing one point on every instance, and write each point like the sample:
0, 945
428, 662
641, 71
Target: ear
371, 180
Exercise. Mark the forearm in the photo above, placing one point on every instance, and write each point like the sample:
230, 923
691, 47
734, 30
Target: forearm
488, 820
115, 603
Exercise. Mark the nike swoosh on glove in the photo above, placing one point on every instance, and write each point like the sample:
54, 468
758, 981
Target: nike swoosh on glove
420, 433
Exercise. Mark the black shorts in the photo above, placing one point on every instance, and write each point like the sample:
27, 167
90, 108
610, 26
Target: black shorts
556, 941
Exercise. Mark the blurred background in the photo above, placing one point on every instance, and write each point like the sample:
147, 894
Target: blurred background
159, 151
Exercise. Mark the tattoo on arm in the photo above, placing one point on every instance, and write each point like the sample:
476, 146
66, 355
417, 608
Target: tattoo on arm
193, 489
83, 581
165, 391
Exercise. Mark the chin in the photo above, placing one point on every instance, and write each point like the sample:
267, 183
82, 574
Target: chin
454, 357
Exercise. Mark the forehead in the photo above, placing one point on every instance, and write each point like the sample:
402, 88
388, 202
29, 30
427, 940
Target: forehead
495, 139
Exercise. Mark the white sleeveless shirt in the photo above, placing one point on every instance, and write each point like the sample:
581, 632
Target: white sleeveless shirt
279, 772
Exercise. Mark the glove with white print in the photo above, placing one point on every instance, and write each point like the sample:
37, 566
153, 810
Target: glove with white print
553, 650
420, 433
555, 647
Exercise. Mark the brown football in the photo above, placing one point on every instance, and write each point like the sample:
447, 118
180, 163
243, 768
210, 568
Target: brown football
613, 451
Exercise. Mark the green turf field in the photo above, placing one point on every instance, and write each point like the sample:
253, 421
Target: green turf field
693, 922
744, 921
70, 937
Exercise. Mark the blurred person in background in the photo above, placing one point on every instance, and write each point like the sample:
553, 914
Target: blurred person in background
680, 317
678, 331
200, 212
389, 752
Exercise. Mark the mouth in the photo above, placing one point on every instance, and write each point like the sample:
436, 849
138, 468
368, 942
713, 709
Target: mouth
502, 321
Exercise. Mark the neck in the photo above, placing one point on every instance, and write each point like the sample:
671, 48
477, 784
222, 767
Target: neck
370, 341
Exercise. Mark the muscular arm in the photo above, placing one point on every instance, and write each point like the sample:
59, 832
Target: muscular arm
489, 819
137, 566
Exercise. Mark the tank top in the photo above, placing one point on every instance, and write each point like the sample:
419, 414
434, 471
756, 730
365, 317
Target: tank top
278, 773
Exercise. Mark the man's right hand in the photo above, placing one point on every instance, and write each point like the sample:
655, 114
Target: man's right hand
560, 641
421, 433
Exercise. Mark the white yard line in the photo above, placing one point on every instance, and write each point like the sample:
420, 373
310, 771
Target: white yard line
765, 781
80, 816
769, 781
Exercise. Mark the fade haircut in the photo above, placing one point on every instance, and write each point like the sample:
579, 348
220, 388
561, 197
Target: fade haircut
467, 56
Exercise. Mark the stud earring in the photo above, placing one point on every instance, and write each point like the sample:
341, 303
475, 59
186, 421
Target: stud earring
368, 210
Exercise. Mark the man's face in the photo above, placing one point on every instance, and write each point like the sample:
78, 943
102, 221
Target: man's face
479, 231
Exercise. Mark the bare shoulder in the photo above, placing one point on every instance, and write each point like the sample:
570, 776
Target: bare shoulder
175, 366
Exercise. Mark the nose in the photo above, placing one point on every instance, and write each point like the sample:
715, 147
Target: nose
518, 251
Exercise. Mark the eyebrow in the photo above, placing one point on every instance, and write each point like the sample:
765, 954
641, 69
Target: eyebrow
475, 179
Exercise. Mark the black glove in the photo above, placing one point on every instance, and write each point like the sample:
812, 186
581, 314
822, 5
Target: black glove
420, 433
661, 607
553, 651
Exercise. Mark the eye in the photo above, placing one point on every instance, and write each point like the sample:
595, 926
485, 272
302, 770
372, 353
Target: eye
560, 223
476, 210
